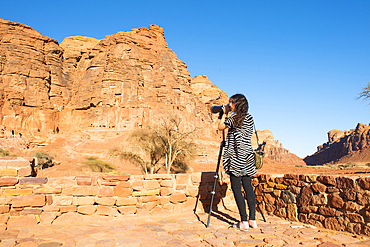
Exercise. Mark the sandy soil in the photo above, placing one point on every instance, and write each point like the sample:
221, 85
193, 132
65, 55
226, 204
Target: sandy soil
70, 153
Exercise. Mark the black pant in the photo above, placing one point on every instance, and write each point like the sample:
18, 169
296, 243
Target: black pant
239, 198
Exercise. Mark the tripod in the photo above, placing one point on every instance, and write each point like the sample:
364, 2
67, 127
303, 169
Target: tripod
222, 145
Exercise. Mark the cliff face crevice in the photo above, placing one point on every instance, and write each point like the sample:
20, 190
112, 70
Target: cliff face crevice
343, 146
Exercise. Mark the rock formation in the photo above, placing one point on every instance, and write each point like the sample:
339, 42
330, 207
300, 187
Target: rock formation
343, 146
86, 87
274, 149
126, 80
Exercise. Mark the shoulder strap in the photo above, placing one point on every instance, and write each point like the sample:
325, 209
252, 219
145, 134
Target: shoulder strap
254, 125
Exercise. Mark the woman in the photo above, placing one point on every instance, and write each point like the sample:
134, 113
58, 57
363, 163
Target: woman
238, 158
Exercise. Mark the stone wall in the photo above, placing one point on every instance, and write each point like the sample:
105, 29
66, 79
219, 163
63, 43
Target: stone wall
335, 202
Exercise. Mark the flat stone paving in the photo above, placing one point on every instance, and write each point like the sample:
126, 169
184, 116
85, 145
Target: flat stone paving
187, 230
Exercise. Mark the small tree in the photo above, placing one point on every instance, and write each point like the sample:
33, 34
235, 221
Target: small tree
146, 144
169, 140
365, 93
176, 139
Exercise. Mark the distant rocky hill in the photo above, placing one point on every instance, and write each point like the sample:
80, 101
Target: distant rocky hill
97, 88
343, 147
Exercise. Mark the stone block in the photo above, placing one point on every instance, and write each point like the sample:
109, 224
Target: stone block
18, 222
151, 184
364, 183
122, 191
105, 191
176, 198
335, 201
150, 199
281, 186
327, 211
84, 180
107, 201
83, 200
352, 206
8, 172
46, 218
318, 187
192, 191
165, 191
69, 208
363, 197
28, 201
196, 177
145, 193
356, 218
4, 209
4, 218
333, 224
316, 217
61, 182
113, 178
158, 177
311, 178
137, 185
4, 181
320, 199
306, 196
180, 187
328, 180
292, 212
268, 198
268, 190
167, 183
87, 210
149, 206
277, 193
127, 210
34, 211
47, 190
62, 200
68, 218
25, 171
105, 210
126, 201
108, 183
81, 191
346, 182
281, 212
35, 180
308, 209
182, 179
50, 208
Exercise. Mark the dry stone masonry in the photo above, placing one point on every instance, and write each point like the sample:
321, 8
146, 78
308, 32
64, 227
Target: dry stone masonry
339, 203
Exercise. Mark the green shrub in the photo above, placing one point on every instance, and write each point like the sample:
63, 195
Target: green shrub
44, 160
348, 165
4, 153
368, 164
97, 165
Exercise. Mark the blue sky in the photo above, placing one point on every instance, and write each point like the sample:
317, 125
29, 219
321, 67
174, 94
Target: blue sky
301, 64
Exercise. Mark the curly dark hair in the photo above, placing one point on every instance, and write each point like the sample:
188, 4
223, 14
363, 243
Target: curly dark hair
241, 108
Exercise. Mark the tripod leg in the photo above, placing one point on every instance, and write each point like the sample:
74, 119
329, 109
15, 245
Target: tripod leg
216, 176
258, 205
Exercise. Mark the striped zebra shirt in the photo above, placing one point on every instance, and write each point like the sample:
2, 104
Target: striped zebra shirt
238, 155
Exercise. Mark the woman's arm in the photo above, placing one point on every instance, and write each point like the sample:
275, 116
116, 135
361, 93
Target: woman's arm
221, 125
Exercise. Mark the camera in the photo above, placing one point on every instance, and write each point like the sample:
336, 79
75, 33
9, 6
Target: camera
218, 109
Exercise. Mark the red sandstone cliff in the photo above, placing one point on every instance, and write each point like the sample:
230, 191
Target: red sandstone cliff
344, 146
89, 89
